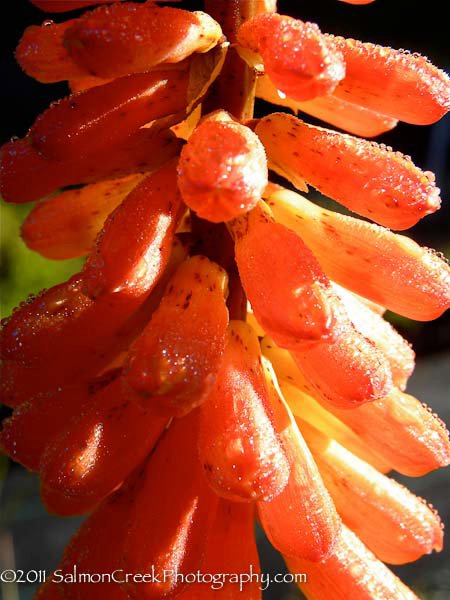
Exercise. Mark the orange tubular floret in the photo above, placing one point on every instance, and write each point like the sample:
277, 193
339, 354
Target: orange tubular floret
232, 522
336, 111
296, 56
36, 422
295, 303
66, 225
135, 243
367, 178
395, 524
302, 520
97, 546
393, 82
241, 453
222, 170
347, 372
45, 317
65, 334
389, 269
171, 518
414, 450
42, 55
173, 363
351, 572
25, 175
101, 447
115, 40
305, 407
66, 5
91, 121
389, 342
63, 338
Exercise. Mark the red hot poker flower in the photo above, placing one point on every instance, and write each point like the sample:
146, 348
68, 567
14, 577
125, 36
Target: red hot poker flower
132, 394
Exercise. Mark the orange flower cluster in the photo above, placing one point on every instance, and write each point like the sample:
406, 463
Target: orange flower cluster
223, 354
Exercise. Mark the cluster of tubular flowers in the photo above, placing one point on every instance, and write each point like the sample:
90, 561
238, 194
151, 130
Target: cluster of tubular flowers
222, 355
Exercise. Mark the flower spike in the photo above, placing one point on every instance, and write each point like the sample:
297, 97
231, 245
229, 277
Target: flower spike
222, 356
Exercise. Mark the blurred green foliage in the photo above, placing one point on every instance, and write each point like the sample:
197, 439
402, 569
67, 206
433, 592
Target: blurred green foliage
22, 271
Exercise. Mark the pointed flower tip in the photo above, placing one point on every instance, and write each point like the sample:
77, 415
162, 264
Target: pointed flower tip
387, 187
242, 455
296, 55
222, 170
397, 83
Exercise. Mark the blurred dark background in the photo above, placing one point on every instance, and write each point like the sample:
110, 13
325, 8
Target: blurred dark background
29, 537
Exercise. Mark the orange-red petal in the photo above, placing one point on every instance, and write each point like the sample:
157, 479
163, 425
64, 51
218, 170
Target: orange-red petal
66, 225
241, 453
397, 83
302, 520
108, 440
389, 269
389, 342
90, 121
27, 176
172, 515
222, 170
331, 109
173, 363
398, 428
115, 40
135, 243
42, 55
294, 303
232, 522
296, 55
364, 176
395, 524
351, 572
